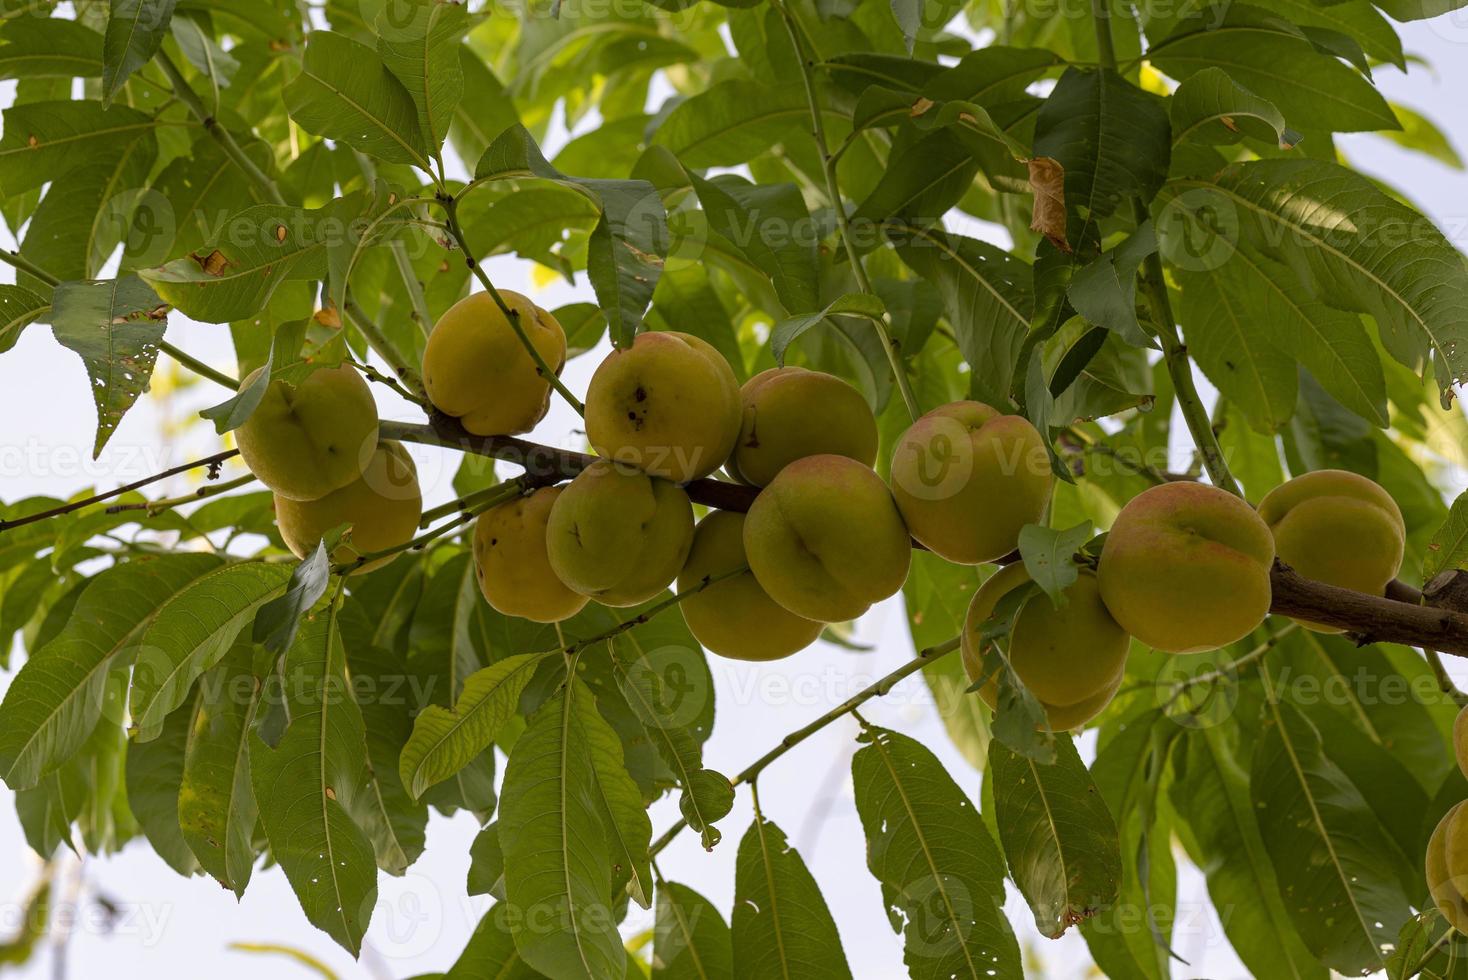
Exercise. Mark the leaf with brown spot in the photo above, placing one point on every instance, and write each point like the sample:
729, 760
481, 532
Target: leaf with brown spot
115, 326
214, 264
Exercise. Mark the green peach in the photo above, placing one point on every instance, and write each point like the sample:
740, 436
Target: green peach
1185, 568
1460, 740
967, 478
512, 565
382, 506
1447, 867
1339, 528
1071, 657
476, 368
735, 617
825, 540
668, 405
618, 535
789, 413
305, 440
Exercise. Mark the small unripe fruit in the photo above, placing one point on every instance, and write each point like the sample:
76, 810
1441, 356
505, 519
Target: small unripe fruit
305, 440
1071, 657
511, 563
967, 478
1447, 867
735, 617
1185, 568
825, 540
476, 369
382, 506
618, 535
790, 413
668, 405
1339, 528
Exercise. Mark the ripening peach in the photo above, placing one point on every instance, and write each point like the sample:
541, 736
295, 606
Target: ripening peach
382, 506
790, 413
512, 565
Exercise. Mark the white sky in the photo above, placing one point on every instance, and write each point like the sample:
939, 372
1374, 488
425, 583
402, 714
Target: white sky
177, 927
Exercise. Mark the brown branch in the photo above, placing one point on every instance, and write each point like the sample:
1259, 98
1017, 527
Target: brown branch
1370, 619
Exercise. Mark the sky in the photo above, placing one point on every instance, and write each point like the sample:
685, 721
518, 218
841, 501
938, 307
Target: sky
170, 926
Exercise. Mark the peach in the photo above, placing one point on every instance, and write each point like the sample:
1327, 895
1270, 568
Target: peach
1185, 568
512, 565
618, 535
735, 617
1071, 657
382, 506
668, 405
1339, 528
967, 478
477, 369
305, 440
789, 413
825, 540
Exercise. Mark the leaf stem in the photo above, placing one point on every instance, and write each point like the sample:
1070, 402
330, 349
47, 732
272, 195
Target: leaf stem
508, 489
843, 223
647, 614
168, 503
385, 349
876, 690
18, 261
222, 136
198, 367
1154, 293
456, 231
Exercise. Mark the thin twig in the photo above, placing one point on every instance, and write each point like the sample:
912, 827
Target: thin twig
806, 61
168, 503
878, 689
450, 206
213, 462
385, 349
198, 367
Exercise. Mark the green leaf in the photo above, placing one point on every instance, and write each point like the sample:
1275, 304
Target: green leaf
1112, 139
491, 951
46, 140
346, 93
629, 829
1058, 835
391, 818
787, 331
771, 227
1328, 850
1104, 291
216, 803
234, 412
154, 774
1234, 348
1211, 793
19, 308
1275, 60
56, 699
487, 863
135, 32
50, 47
1212, 109
1353, 246
233, 276
276, 621
924, 179
987, 298
781, 926
690, 938
557, 852
941, 874
306, 783
655, 687
420, 45
1449, 547
1049, 557
626, 250
204, 53
114, 325
191, 632
1423, 135
937, 595
445, 741
732, 122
